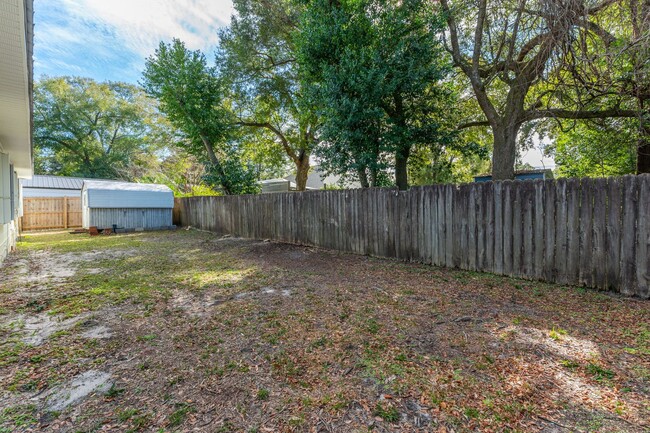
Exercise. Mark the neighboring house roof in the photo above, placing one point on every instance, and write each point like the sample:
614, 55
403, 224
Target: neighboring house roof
538, 173
57, 182
16, 45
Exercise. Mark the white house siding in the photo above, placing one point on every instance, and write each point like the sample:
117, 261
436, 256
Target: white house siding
130, 218
16, 43
10, 206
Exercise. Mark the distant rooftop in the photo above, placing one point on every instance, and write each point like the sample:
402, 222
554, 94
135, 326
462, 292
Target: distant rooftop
57, 182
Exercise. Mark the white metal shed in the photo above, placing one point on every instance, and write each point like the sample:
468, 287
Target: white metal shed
126, 205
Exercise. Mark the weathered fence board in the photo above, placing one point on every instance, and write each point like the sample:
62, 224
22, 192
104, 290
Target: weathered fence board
41, 213
572, 271
643, 239
589, 232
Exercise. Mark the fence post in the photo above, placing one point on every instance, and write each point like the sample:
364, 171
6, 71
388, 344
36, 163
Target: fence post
65, 212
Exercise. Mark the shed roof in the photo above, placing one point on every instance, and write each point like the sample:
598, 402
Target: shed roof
124, 186
57, 182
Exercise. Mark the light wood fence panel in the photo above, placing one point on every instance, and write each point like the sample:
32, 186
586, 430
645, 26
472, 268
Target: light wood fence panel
42, 213
586, 232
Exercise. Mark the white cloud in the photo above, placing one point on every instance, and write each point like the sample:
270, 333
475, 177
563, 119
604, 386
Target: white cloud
142, 24
109, 39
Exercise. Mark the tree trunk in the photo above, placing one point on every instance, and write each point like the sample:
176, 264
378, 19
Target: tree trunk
504, 152
374, 177
401, 168
363, 177
643, 147
225, 184
302, 171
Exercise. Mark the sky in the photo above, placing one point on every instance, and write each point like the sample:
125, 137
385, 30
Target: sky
110, 39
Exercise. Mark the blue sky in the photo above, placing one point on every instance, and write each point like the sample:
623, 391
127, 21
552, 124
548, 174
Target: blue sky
110, 39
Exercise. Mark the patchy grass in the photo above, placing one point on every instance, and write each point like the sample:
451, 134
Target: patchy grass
222, 334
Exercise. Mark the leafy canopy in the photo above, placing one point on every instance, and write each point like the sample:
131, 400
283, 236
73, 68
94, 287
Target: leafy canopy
376, 70
98, 130
195, 99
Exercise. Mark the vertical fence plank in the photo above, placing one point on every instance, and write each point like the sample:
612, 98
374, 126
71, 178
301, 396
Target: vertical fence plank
404, 227
528, 228
498, 227
439, 227
354, 223
573, 231
471, 228
416, 214
517, 227
388, 240
490, 236
508, 201
643, 238
599, 274
549, 230
561, 230
613, 233
538, 241
460, 259
424, 235
481, 223
449, 225
376, 221
432, 224
457, 226
586, 231
628, 241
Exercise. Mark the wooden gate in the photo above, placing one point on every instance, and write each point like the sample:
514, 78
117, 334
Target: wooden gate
40, 213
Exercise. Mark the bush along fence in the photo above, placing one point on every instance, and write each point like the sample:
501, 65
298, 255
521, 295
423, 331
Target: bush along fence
583, 232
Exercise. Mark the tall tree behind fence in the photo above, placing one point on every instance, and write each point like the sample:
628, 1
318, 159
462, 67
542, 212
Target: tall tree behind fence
586, 232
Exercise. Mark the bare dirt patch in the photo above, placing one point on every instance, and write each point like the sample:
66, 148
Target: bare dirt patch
199, 333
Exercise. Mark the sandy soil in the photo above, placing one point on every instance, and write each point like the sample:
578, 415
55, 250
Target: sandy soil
186, 331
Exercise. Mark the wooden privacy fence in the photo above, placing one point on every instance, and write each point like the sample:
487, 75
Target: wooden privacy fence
587, 232
40, 213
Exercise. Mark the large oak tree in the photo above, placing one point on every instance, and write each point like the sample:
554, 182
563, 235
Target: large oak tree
90, 129
516, 55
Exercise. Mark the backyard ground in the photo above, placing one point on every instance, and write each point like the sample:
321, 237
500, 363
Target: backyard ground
187, 331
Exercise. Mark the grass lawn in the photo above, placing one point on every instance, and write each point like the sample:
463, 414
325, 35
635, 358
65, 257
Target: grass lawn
186, 331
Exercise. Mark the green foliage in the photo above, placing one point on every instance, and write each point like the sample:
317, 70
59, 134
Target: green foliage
387, 413
99, 130
376, 71
595, 149
257, 56
195, 99
177, 417
263, 394
599, 373
181, 172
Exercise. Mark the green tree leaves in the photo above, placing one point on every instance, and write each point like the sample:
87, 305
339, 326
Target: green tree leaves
376, 70
194, 97
90, 129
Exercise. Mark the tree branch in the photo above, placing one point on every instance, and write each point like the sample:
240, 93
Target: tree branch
283, 140
473, 124
578, 114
